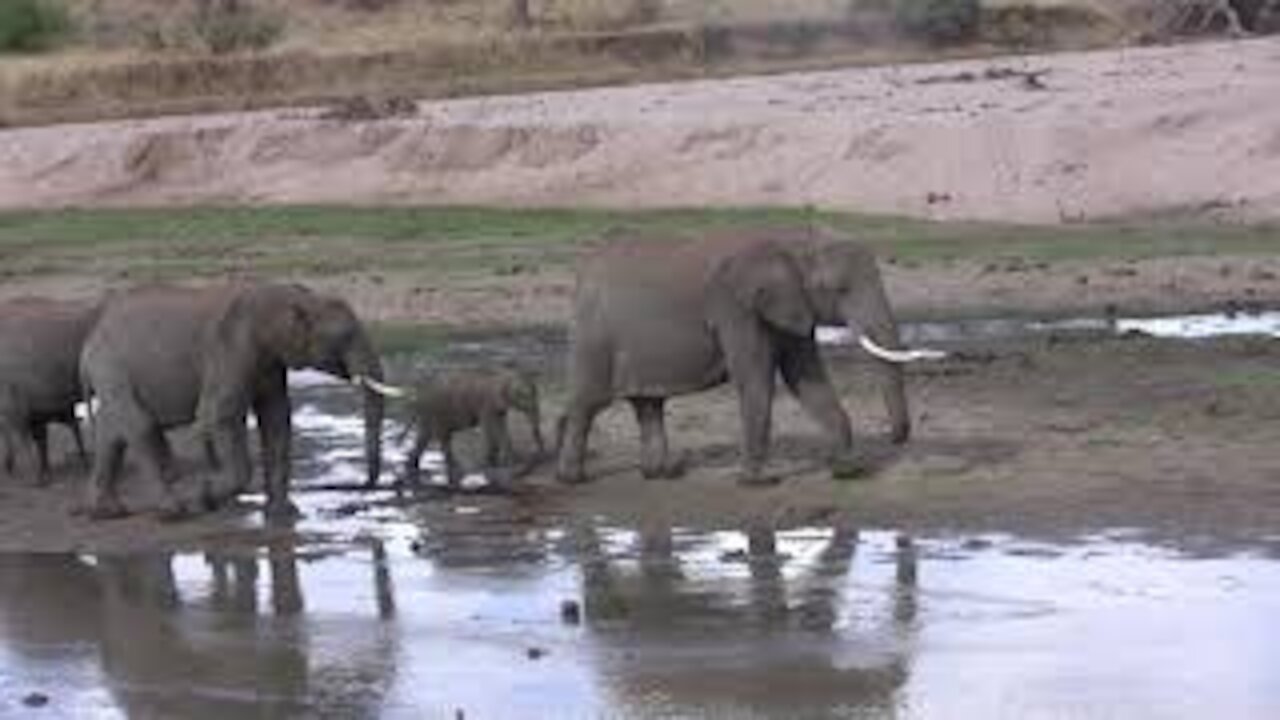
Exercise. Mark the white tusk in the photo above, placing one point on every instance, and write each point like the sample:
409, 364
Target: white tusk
382, 389
898, 356
85, 411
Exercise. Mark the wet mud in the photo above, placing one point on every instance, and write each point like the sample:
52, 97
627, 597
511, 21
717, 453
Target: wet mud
1084, 526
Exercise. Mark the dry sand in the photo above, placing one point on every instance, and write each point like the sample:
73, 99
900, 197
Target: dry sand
1112, 133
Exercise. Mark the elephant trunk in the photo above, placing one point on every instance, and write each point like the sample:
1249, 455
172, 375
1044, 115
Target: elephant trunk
535, 420
362, 361
871, 320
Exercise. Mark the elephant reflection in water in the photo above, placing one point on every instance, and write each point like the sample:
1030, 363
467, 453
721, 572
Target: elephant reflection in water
212, 656
789, 626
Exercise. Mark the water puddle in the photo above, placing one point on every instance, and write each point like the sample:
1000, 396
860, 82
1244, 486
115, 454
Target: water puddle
1183, 327
582, 622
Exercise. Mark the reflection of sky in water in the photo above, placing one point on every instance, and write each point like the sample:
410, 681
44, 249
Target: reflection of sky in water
1186, 327
328, 425
942, 628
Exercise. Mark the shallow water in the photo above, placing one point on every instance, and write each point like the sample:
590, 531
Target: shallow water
381, 614
807, 623
1184, 327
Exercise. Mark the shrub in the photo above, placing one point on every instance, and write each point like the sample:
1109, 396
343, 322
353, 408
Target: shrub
31, 25
226, 26
938, 21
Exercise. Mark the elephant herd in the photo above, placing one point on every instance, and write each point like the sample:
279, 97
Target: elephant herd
653, 318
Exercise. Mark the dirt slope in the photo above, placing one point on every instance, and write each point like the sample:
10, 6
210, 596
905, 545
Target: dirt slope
1189, 128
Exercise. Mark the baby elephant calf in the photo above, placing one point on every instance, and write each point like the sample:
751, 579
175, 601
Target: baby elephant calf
453, 400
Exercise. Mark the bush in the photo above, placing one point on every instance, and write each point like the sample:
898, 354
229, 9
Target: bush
31, 25
938, 22
226, 26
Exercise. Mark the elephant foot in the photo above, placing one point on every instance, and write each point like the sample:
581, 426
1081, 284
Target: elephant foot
106, 509
758, 479
576, 477
172, 512
669, 470
281, 511
849, 467
210, 501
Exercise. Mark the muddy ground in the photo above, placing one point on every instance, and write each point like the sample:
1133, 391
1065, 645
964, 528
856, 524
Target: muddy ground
1052, 436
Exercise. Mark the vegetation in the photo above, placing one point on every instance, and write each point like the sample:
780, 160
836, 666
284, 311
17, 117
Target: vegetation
32, 25
939, 21
461, 242
226, 26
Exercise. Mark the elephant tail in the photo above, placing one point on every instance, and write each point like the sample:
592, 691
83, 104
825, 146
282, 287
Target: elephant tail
383, 389
898, 356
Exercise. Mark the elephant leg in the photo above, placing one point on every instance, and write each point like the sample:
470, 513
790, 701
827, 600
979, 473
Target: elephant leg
749, 356
805, 375
575, 427
231, 443
497, 440
23, 455
78, 436
452, 472
211, 455
108, 460
275, 430
655, 462
413, 462
40, 436
6, 454
156, 458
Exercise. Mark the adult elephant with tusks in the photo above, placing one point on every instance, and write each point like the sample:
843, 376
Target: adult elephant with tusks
162, 357
656, 318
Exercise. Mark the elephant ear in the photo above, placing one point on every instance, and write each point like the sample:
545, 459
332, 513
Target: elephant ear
229, 354
767, 281
259, 323
285, 326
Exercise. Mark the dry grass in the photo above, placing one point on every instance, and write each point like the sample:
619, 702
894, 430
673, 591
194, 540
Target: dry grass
137, 57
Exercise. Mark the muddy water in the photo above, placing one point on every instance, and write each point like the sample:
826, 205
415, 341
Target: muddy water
809, 623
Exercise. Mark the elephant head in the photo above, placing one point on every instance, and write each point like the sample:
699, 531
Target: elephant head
843, 285
297, 328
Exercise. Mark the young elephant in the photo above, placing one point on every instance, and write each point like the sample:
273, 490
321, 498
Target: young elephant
453, 400
40, 344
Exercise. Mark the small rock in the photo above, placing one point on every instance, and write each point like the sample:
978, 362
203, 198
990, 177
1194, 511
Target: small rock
35, 700
570, 612
535, 653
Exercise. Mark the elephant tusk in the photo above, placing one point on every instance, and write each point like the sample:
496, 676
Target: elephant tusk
898, 356
85, 410
382, 389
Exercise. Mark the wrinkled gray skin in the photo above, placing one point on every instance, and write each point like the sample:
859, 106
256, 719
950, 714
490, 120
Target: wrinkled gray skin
164, 357
40, 344
454, 400
657, 318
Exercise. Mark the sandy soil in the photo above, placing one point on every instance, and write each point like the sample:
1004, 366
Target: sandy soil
1110, 133
1039, 437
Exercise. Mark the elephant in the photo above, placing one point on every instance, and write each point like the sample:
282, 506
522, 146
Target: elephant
40, 344
163, 356
660, 317
453, 400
